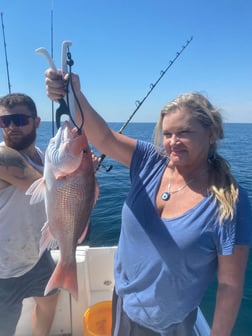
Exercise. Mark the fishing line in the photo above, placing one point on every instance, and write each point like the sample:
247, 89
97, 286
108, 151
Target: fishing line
64, 107
79, 128
70, 64
139, 103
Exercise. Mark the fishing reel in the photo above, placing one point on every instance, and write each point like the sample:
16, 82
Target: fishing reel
100, 164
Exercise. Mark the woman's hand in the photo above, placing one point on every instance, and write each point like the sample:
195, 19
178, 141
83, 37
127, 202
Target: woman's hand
56, 85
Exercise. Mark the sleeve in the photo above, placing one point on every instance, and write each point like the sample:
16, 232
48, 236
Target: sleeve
144, 154
243, 219
226, 238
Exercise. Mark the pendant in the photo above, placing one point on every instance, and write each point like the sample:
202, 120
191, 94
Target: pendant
165, 196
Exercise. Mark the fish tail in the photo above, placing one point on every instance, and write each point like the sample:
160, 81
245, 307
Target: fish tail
64, 277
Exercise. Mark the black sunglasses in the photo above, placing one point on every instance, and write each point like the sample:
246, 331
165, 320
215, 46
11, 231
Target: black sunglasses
17, 119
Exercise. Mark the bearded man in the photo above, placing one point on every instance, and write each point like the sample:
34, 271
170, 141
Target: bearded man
23, 272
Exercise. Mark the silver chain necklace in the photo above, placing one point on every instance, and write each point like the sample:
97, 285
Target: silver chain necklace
167, 194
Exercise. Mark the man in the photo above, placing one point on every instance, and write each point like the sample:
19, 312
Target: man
22, 272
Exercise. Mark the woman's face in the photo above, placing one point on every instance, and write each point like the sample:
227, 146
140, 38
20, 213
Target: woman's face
185, 140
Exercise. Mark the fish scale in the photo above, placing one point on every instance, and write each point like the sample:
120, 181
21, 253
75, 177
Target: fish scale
70, 191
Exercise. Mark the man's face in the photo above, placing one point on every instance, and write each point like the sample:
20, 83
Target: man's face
18, 126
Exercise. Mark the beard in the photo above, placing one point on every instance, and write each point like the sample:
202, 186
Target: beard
22, 143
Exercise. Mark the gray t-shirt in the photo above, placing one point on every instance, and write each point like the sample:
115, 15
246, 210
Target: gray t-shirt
20, 230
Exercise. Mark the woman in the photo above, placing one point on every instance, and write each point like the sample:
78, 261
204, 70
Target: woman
184, 220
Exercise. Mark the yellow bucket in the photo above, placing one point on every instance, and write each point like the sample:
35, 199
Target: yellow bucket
98, 319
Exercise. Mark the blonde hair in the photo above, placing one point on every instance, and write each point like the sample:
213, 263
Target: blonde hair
221, 183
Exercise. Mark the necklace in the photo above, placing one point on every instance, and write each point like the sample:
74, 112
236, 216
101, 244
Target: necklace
167, 194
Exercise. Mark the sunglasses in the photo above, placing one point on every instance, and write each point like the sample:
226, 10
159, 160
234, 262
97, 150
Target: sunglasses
17, 119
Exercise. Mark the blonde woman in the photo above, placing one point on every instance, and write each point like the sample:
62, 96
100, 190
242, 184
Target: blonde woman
184, 220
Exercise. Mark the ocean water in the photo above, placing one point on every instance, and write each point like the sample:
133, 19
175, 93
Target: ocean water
105, 220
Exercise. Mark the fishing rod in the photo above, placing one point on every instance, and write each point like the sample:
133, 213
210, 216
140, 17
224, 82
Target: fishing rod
152, 86
6, 58
52, 103
139, 103
65, 109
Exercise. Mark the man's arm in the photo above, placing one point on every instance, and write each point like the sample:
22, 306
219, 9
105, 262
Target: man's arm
15, 170
231, 273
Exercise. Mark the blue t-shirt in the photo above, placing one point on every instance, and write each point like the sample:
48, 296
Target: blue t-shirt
164, 266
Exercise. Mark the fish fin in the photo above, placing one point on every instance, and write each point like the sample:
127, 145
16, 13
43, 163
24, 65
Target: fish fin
47, 240
84, 233
63, 161
37, 191
65, 277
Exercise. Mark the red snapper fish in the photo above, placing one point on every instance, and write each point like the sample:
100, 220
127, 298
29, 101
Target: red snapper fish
70, 190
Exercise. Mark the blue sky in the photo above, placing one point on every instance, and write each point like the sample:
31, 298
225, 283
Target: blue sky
119, 48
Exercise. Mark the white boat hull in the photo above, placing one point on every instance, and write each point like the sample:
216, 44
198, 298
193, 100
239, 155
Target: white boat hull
95, 282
